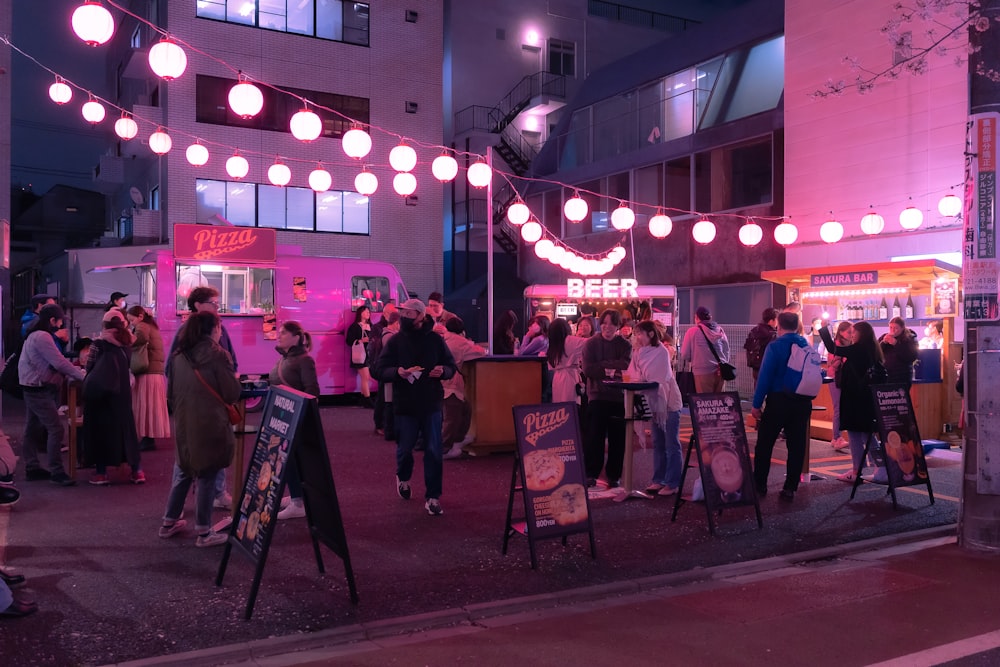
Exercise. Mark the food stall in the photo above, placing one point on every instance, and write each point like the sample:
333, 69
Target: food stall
920, 291
578, 295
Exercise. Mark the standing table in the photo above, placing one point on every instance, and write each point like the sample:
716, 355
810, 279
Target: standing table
629, 388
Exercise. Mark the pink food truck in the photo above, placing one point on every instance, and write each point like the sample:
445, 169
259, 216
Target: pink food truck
262, 285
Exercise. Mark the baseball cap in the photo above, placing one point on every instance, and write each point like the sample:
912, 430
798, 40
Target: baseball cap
703, 313
117, 295
414, 304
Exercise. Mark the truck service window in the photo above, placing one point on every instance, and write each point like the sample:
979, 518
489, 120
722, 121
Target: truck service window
371, 291
243, 290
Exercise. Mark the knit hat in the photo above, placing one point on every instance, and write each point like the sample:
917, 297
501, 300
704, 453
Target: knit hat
414, 304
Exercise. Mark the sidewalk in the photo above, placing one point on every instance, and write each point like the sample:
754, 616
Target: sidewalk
110, 591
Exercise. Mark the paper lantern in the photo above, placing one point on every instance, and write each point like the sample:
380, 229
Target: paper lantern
366, 183
320, 179
404, 183
703, 231
872, 223
479, 175
575, 208
245, 99
126, 128
910, 218
444, 168
617, 254
831, 231
160, 142
622, 218
167, 59
518, 213
237, 166
93, 111
403, 158
786, 233
660, 226
356, 143
950, 205
531, 231
93, 23
59, 92
279, 174
196, 154
544, 248
305, 125
751, 234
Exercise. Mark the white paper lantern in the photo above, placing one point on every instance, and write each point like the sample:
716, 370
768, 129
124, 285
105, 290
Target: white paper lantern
831, 231
518, 213
167, 59
126, 128
544, 248
910, 218
575, 208
556, 253
403, 158
872, 223
320, 179
531, 231
751, 234
444, 168
366, 183
279, 174
59, 92
404, 183
786, 233
196, 154
660, 226
305, 125
356, 143
480, 175
237, 166
160, 142
617, 254
950, 205
704, 231
93, 23
245, 99
93, 111
622, 218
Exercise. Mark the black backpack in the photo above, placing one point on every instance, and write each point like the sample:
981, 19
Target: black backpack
9, 381
755, 345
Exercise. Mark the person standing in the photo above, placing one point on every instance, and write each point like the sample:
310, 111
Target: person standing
201, 383
30, 315
759, 338
536, 338
108, 422
564, 355
149, 395
785, 409
41, 370
435, 309
374, 350
696, 349
359, 333
456, 412
605, 356
651, 363
504, 340
835, 369
899, 348
416, 361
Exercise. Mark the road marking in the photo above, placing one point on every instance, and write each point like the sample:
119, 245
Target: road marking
946, 652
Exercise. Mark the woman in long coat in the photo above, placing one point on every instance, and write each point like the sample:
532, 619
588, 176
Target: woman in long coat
108, 424
202, 432
149, 395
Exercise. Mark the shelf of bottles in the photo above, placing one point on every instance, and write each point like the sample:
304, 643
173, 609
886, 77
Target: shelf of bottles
876, 308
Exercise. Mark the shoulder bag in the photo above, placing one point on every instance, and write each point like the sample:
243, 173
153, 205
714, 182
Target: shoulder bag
140, 359
728, 370
232, 411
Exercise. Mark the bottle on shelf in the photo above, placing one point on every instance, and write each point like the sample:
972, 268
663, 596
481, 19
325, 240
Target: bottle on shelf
897, 310
883, 310
908, 313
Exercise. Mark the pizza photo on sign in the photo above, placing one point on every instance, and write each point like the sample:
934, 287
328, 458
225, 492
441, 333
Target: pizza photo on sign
569, 504
543, 470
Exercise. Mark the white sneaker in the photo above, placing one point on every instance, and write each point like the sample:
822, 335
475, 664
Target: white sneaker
467, 440
223, 502
455, 452
294, 510
212, 539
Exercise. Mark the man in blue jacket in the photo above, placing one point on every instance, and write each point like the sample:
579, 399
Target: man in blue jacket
785, 409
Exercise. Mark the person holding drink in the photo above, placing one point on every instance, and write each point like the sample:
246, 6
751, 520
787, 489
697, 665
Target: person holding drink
605, 356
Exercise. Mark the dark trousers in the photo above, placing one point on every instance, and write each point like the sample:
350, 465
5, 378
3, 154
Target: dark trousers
790, 412
606, 419
378, 414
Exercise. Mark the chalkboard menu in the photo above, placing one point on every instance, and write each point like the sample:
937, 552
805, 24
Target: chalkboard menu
902, 449
723, 452
550, 462
290, 433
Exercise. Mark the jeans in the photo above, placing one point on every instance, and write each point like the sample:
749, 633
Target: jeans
835, 399
792, 413
43, 416
607, 419
667, 451
179, 489
857, 440
408, 428
219, 484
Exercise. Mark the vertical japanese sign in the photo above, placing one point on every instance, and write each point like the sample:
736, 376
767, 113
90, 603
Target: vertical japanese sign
980, 268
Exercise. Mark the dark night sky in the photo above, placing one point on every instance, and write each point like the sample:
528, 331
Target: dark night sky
53, 145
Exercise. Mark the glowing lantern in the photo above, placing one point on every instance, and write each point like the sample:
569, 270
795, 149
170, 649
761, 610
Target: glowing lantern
167, 59
237, 166
617, 254
93, 23
404, 183
60, 93
518, 213
366, 183
444, 168
660, 225
356, 143
279, 174
245, 99
480, 175
556, 253
831, 231
403, 158
93, 111
320, 179
751, 234
703, 231
544, 248
126, 128
531, 231
159, 142
786, 233
575, 208
872, 223
622, 218
196, 154
305, 125
910, 218
950, 205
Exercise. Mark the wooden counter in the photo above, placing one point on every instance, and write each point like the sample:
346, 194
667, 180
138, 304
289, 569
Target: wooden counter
927, 405
493, 386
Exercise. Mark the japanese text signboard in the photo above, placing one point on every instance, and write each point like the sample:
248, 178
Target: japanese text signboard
980, 252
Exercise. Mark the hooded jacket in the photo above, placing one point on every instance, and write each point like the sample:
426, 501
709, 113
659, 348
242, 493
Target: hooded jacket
417, 347
695, 348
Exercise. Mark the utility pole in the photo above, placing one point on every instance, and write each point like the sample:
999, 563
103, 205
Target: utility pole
979, 517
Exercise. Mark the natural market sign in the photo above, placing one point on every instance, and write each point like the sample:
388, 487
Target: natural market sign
845, 278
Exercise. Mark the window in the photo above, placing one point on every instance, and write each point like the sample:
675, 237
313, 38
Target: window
371, 291
212, 106
562, 57
253, 205
734, 177
243, 290
327, 19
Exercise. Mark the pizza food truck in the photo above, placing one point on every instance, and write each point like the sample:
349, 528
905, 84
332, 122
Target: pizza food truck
261, 285
577, 295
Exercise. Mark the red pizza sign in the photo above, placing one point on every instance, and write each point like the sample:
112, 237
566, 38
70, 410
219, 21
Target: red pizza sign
229, 244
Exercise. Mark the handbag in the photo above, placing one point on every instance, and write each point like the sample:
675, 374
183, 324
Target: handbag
140, 359
685, 382
358, 352
727, 370
232, 411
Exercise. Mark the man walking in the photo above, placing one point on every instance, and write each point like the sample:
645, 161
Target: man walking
697, 348
415, 361
786, 409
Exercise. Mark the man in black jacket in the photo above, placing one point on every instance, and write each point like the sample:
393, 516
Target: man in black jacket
759, 338
899, 347
415, 360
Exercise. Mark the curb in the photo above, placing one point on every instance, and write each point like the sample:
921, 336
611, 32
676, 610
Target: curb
351, 638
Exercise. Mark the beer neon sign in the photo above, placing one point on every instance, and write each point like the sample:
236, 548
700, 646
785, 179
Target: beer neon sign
602, 288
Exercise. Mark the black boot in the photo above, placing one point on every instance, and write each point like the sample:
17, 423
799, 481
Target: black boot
147, 444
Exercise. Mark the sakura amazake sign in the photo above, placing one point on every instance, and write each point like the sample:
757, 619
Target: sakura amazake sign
224, 244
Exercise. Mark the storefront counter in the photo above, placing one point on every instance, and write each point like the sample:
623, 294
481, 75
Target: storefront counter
493, 386
927, 405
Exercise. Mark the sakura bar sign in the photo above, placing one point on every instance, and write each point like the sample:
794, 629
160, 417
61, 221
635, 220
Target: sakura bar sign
224, 244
